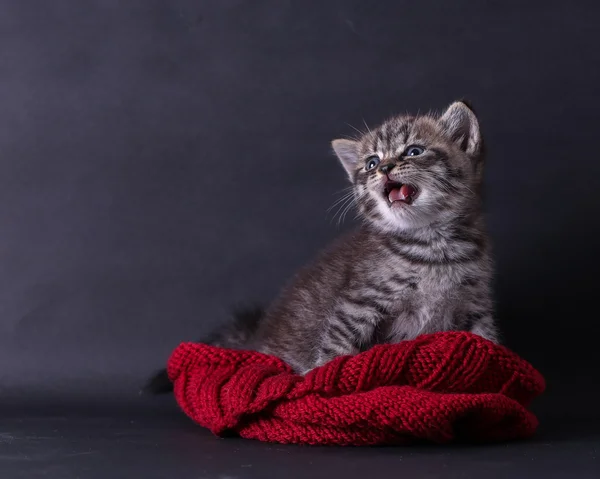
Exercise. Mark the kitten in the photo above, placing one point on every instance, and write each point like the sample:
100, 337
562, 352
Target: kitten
419, 263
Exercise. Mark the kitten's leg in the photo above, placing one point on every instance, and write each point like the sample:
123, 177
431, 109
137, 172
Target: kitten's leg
482, 324
351, 326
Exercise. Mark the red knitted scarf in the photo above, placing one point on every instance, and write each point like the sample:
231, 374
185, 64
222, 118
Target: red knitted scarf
442, 387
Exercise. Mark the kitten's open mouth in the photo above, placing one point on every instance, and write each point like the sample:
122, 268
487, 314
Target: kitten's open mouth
402, 192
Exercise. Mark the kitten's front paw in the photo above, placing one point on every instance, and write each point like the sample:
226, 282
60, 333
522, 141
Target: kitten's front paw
319, 362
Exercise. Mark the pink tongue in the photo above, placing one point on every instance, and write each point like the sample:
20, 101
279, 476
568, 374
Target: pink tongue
404, 193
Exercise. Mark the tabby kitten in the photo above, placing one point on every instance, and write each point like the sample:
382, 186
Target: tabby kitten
419, 263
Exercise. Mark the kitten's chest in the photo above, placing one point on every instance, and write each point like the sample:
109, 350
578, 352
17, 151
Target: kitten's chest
401, 284
420, 299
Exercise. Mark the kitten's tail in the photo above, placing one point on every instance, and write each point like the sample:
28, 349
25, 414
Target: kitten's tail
236, 335
158, 384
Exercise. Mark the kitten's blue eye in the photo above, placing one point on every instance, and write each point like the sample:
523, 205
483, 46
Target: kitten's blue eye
372, 162
414, 151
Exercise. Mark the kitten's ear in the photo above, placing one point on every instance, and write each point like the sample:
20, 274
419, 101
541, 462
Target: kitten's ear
461, 126
347, 153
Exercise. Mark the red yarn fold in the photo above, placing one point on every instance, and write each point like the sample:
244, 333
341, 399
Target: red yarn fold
442, 387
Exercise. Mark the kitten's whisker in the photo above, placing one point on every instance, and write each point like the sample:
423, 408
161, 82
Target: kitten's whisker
367, 126
347, 195
343, 206
361, 133
345, 212
336, 216
341, 200
344, 190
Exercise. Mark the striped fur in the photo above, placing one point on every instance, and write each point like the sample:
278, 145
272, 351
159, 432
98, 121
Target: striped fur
408, 269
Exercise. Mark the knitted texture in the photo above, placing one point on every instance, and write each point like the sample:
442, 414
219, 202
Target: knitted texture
441, 387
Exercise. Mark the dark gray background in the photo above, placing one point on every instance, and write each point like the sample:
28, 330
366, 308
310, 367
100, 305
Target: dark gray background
164, 160
161, 161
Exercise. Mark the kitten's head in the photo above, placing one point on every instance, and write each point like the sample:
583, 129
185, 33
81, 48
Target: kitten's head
412, 172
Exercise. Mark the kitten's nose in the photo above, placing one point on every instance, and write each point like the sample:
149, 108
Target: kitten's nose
386, 168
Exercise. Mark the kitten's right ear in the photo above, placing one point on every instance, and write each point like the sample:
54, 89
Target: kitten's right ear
347, 153
461, 126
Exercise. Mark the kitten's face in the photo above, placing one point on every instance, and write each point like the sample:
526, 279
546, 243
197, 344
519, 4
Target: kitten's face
412, 172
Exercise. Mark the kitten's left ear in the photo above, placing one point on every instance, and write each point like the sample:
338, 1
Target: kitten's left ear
461, 126
347, 153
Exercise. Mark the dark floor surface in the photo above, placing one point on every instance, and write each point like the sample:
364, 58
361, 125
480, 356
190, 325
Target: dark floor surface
157, 441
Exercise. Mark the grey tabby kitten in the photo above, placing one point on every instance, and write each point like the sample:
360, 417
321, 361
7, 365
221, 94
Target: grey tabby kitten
419, 263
